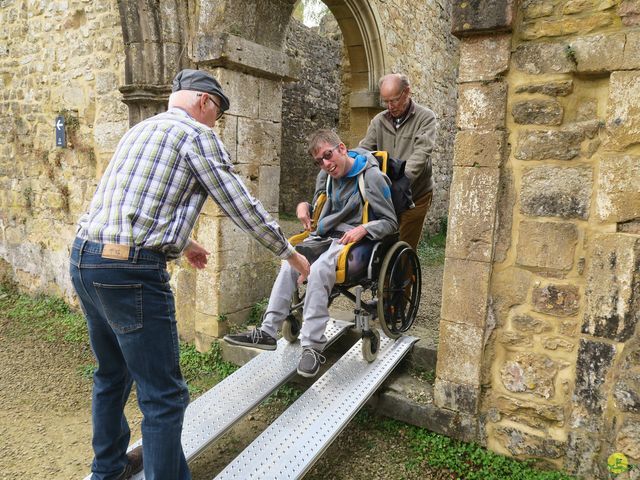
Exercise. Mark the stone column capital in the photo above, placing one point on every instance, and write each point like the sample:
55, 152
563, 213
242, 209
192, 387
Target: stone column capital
237, 53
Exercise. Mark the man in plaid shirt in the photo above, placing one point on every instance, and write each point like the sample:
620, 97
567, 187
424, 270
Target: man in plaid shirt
142, 215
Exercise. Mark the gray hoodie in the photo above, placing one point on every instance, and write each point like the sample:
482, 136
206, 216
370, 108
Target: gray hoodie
343, 209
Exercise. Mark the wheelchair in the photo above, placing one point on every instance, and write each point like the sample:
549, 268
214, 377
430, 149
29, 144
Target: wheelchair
388, 268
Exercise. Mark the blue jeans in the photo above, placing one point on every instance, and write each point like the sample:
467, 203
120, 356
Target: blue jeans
130, 314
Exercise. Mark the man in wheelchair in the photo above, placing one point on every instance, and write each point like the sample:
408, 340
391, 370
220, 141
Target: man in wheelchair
343, 219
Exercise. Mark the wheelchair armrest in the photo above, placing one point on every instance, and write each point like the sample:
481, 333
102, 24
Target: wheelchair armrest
298, 238
341, 263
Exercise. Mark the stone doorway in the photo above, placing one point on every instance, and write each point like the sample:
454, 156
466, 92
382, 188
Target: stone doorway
244, 43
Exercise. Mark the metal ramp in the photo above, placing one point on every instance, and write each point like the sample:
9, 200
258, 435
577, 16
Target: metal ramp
209, 416
292, 444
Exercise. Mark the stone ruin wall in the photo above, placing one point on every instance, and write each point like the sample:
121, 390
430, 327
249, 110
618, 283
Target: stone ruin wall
55, 57
68, 57
544, 245
541, 302
311, 102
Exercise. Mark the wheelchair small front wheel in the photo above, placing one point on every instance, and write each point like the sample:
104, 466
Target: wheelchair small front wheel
291, 328
293, 323
399, 288
370, 345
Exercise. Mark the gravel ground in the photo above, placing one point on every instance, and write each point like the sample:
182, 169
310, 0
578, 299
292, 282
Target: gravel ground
46, 426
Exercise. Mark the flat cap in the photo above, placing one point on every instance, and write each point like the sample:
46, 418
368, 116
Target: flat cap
200, 81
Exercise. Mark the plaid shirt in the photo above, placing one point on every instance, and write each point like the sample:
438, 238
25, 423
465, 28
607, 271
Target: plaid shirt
157, 182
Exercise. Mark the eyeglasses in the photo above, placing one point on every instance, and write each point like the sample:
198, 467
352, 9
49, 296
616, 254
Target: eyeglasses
220, 112
394, 100
325, 156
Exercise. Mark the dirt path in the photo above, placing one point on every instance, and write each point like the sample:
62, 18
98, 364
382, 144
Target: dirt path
46, 425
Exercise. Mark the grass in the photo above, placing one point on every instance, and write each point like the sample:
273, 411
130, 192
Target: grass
431, 247
257, 311
51, 320
468, 461
42, 316
290, 217
203, 370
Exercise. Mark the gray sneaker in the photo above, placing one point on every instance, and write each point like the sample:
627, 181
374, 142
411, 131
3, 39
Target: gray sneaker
253, 338
310, 362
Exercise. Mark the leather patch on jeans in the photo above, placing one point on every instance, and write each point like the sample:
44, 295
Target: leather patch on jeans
115, 252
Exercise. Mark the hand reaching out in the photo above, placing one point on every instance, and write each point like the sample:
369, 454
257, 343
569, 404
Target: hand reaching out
196, 254
304, 215
301, 265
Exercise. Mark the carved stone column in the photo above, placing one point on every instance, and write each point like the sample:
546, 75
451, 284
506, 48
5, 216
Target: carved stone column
240, 271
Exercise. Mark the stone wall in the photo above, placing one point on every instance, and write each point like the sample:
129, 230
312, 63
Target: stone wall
55, 58
309, 103
544, 244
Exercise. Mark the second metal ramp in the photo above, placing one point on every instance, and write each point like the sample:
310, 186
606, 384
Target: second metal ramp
213, 413
292, 444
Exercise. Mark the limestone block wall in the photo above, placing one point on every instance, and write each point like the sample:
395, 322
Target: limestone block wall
309, 103
55, 58
430, 59
545, 233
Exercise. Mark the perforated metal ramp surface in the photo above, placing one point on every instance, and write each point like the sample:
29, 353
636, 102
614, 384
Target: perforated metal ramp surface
213, 413
292, 444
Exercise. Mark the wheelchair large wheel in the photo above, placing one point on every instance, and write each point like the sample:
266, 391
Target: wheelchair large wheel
293, 323
399, 288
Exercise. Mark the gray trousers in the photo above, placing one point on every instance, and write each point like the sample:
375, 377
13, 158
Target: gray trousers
315, 311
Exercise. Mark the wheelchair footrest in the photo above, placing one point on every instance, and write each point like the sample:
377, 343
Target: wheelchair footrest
213, 413
291, 445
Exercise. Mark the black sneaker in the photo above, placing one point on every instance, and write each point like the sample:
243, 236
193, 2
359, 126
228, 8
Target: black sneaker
253, 338
310, 362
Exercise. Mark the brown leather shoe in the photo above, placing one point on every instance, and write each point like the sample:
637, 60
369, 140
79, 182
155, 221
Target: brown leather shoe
135, 460
134, 465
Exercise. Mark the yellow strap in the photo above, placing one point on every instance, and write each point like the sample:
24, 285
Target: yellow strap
382, 155
299, 237
341, 266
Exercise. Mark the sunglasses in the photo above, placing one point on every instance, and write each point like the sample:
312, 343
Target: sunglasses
325, 156
219, 110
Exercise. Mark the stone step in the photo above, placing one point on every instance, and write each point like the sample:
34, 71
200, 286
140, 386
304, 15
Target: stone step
410, 400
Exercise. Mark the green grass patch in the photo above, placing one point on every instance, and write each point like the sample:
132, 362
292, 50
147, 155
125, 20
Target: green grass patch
290, 217
425, 375
257, 311
431, 247
203, 370
41, 316
469, 460
287, 394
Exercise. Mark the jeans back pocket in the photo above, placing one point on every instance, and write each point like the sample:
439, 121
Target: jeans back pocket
122, 305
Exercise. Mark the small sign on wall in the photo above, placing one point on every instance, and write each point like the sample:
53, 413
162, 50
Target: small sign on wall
61, 138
